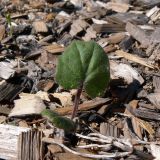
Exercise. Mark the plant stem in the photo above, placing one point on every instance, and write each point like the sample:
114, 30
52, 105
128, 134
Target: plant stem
76, 101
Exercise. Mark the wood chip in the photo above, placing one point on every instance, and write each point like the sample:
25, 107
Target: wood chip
154, 98
9, 136
108, 129
40, 27
134, 58
155, 150
78, 26
138, 34
2, 32
27, 106
116, 37
54, 48
90, 34
42, 95
65, 98
117, 7
3, 119
7, 69
84, 106
53, 148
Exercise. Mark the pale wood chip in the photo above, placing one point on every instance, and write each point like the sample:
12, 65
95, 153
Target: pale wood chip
40, 26
134, 58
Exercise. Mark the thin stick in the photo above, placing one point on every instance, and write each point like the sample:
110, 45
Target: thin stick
95, 156
76, 102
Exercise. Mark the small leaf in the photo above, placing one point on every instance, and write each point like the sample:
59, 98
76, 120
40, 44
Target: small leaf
49, 114
59, 121
64, 123
84, 63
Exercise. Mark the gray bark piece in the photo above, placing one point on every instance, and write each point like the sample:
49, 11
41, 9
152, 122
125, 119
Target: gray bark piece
155, 38
138, 34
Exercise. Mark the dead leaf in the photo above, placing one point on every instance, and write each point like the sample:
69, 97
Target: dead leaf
65, 98
125, 72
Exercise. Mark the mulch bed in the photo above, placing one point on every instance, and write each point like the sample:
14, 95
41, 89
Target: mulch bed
124, 123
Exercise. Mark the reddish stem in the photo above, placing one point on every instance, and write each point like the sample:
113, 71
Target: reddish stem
76, 101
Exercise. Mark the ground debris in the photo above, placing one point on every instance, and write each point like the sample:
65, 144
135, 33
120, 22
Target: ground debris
124, 123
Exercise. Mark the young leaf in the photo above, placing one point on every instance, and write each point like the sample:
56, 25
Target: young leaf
59, 121
84, 63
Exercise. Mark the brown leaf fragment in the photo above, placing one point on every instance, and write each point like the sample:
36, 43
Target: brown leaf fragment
40, 27
78, 26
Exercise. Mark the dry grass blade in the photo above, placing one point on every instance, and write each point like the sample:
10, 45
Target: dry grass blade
145, 125
134, 58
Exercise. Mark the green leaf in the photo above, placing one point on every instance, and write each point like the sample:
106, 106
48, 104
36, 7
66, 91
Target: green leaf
84, 63
59, 121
